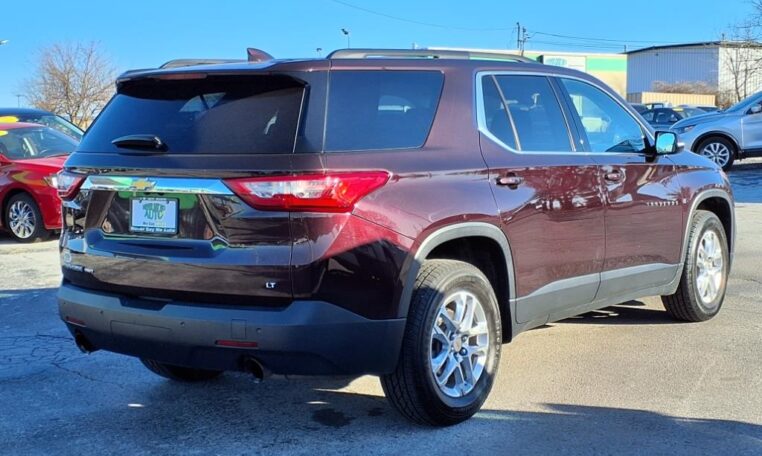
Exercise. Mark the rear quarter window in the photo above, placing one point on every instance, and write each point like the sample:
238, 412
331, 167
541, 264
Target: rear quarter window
214, 115
372, 110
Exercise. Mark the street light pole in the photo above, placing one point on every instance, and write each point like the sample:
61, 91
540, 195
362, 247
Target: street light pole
347, 33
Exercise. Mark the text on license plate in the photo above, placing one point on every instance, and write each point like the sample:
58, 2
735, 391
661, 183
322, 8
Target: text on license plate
153, 215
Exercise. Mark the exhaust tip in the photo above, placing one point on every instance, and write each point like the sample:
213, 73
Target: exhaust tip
84, 345
255, 368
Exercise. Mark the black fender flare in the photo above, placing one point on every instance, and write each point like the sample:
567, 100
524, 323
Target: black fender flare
703, 196
449, 233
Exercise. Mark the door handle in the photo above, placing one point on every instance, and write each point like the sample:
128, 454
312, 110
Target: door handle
614, 176
510, 180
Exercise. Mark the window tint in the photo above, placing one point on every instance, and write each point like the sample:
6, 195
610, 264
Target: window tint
214, 115
495, 115
609, 128
54, 122
381, 109
649, 116
535, 112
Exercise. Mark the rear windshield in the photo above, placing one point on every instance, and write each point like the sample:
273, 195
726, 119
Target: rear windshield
214, 115
34, 142
370, 110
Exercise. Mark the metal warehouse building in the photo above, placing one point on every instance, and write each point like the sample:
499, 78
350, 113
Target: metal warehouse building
732, 67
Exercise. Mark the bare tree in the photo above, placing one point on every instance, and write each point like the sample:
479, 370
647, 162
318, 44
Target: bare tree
695, 87
743, 60
742, 57
73, 79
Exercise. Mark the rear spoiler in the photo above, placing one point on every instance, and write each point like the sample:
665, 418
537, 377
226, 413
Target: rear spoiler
252, 55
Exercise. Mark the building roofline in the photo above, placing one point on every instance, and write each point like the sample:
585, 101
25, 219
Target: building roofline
725, 43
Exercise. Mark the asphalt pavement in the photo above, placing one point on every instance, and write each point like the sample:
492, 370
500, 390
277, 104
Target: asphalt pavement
623, 380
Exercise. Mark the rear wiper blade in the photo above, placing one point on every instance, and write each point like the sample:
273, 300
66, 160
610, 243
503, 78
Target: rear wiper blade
147, 143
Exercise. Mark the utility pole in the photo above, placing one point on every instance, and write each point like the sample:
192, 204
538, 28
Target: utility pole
521, 37
518, 36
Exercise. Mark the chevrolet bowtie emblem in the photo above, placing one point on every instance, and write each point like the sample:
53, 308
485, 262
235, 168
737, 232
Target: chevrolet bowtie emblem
143, 185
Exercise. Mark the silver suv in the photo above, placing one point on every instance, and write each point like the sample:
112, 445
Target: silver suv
725, 136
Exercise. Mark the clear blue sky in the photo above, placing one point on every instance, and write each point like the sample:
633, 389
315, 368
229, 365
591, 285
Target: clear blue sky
139, 33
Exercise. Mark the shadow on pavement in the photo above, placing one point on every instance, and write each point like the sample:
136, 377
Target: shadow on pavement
306, 415
23, 293
629, 313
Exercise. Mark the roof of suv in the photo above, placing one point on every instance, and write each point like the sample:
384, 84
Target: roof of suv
361, 59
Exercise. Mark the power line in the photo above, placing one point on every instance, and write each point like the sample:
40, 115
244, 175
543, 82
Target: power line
427, 24
609, 40
524, 34
584, 45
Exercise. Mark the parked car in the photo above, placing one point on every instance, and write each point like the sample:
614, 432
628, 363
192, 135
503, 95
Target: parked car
725, 136
640, 108
703, 108
663, 118
658, 104
39, 116
30, 157
402, 216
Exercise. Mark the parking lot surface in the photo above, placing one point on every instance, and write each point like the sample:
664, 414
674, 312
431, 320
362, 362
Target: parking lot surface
626, 379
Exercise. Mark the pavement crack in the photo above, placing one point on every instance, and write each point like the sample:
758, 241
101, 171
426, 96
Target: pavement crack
748, 279
85, 376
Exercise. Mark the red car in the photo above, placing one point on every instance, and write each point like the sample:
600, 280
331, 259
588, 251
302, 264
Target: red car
30, 157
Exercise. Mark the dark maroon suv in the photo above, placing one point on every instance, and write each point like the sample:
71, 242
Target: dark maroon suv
394, 213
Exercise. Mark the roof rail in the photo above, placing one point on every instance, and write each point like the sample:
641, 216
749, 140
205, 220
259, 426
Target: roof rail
425, 54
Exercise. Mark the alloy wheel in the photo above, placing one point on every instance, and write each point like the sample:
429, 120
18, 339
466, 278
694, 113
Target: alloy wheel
459, 344
717, 152
709, 267
21, 219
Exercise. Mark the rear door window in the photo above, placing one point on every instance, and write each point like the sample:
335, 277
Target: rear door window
495, 113
213, 115
535, 112
371, 110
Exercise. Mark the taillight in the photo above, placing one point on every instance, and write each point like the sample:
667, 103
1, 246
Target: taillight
68, 184
329, 192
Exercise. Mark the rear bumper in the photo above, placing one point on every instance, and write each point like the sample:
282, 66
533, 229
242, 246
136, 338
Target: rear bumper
307, 337
50, 208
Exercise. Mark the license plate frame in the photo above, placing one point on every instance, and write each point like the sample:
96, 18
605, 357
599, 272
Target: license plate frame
159, 220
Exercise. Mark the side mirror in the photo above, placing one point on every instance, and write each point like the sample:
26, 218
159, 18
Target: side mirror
5, 160
666, 143
755, 109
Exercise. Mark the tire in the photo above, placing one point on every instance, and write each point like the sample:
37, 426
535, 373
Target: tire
412, 388
719, 150
23, 219
179, 373
694, 299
